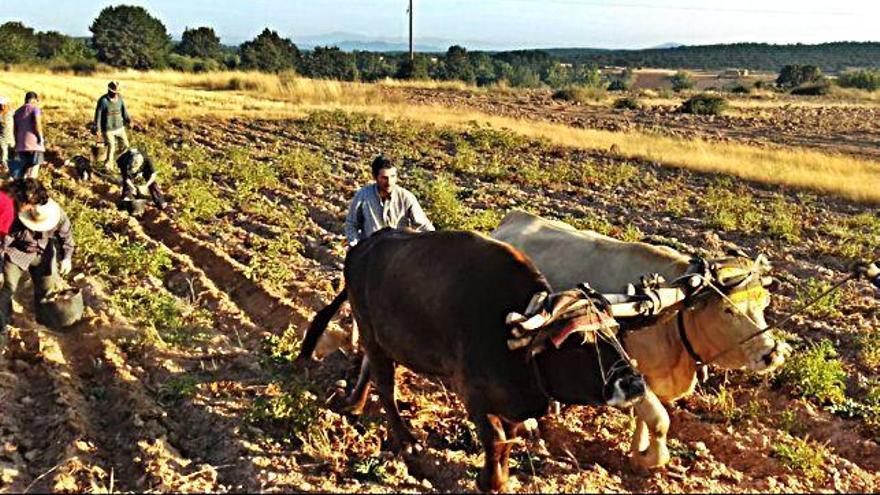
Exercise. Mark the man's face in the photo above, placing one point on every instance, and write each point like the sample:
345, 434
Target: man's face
386, 179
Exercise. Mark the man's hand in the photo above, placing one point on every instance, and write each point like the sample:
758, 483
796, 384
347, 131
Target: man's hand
66, 266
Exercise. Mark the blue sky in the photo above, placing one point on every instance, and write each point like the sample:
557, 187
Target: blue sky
501, 23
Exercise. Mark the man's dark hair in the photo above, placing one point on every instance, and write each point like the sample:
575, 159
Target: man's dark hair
29, 191
380, 163
30, 95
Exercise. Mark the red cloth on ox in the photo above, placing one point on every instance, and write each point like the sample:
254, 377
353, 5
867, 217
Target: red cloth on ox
592, 320
7, 213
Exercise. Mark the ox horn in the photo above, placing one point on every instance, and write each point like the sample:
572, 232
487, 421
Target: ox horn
534, 322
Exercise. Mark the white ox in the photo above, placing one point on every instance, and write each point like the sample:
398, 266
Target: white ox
712, 326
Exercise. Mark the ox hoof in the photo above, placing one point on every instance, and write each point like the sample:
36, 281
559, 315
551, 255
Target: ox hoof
489, 484
406, 444
355, 408
651, 458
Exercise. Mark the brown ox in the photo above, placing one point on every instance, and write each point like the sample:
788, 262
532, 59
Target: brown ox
669, 352
438, 303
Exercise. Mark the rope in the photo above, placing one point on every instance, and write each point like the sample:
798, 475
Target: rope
775, 325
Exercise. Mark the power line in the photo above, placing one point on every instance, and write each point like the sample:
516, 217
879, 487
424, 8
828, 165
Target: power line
693, 8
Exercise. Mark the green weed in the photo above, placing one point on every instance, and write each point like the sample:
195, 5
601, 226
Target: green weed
290, 410
371, 469
825, 307
178, 388
816, 373
784, 220
304, 165
802, 455
731, 210
196, 203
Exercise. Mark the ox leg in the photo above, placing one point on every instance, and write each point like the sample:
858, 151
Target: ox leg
493, 477
651, 418
382, 370
512, 432
361, 391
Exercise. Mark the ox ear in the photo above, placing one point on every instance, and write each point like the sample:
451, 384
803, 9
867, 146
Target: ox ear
763, 263
770, 283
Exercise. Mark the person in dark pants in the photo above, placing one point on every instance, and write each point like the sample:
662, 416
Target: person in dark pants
40, 236
139, 177
30, 144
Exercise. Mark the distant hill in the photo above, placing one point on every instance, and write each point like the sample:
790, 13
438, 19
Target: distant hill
666, 45
830, 57
353, 41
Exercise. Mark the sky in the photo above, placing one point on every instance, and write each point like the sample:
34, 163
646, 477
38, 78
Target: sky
492, 23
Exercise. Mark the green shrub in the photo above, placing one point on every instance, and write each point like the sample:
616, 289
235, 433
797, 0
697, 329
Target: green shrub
681, 81
740, 89
704, 104
579, 94
863, 79
816, 373
627, 103
802, 455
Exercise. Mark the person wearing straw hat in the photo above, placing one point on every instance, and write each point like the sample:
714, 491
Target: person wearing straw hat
7, 135
40, 236
111, 118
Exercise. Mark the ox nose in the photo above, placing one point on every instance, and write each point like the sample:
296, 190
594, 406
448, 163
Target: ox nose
776, 355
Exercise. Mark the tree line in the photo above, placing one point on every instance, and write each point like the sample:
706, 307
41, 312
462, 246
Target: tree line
130, 37
830, 57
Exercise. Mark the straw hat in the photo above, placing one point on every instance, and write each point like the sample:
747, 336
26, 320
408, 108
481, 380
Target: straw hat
42, 218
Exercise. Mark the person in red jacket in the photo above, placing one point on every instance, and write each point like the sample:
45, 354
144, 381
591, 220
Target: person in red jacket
7, 211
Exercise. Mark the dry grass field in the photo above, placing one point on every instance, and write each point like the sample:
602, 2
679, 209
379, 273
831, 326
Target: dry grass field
180, 376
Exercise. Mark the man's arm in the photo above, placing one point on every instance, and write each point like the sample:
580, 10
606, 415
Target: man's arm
125, 119
38, 126
354, 220
418, 220
65, 235
99, 115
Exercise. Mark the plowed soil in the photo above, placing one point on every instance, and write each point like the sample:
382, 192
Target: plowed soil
87, 410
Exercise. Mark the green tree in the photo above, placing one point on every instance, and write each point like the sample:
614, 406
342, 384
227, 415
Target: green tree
127, 36
50, 44
792, 76
269, 52
586, 75
17, 43
329, 63
558, 76
458, 65
199, 43
414, 69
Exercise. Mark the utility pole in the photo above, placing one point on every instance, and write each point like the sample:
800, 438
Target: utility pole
411, 51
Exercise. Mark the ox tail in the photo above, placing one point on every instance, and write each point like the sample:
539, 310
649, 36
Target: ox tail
319, 325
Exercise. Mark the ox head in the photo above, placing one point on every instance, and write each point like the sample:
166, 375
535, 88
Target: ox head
571, 336
721, 324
